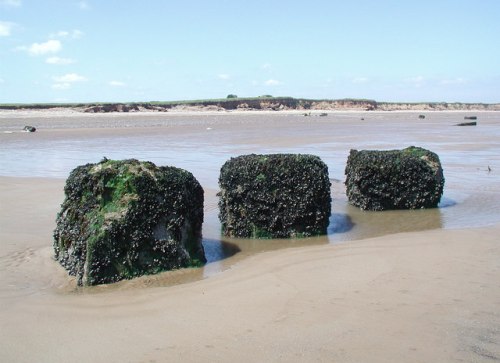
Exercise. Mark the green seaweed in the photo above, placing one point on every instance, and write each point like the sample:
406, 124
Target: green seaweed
261, 233
109, 216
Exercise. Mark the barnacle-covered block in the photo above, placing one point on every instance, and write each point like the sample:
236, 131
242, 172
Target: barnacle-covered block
274, 196
394, 179
122, 219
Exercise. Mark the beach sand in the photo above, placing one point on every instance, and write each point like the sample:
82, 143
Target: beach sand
423, 296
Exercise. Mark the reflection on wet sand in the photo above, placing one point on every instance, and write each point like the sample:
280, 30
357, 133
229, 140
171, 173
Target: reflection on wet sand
393, 221
340, 223
349, 224
216, 250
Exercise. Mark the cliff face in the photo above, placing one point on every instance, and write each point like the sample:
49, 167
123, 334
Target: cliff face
289, 103
265, 103
442, 106
358, 105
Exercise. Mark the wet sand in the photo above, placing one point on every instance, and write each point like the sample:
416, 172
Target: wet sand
430, 294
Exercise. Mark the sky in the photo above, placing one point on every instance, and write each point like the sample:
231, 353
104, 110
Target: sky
166, 50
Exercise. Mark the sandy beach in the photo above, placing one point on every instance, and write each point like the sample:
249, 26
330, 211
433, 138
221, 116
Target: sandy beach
412, 286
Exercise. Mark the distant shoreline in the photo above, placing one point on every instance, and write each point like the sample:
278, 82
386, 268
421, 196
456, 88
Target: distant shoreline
255, 104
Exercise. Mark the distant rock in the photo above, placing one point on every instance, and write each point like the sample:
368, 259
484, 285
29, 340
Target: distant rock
29, 128
274, 196
471, 123
122, 219
396, 179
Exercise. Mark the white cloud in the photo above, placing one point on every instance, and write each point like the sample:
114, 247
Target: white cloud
265, 66
117, 84
13, 3
2, 80
64, 82
59, 60
59, 34
64, 34
272, 82
6, 28
50, 46
69, 78
223, 76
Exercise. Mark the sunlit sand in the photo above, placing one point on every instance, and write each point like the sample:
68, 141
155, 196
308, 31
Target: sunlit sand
408, 286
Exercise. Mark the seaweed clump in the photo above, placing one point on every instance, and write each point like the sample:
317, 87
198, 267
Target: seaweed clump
274, 196
122, 219
411, 178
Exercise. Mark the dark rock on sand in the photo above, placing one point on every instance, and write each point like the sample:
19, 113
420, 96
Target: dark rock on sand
274, 196
471, 123
122, 219
396, 179
29, 128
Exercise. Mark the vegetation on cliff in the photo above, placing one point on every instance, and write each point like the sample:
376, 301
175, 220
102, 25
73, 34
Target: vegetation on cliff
266, 102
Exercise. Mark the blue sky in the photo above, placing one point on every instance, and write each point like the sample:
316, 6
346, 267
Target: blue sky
129, 50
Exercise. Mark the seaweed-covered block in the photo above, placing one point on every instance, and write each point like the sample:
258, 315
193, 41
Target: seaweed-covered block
122, 219
394, 179
274, 196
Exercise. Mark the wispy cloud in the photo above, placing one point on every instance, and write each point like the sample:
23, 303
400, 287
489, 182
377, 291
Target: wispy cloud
2, 80
70, 78
6, 28
50, 46
117, 84
266, 66
64, 34
65, 81
454, 81
11, 3
61, 86
59, 61
223, 76
416, 82
84, 5
272, 82
359, 80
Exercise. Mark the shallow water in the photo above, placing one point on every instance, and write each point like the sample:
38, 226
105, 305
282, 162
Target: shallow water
202, 143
